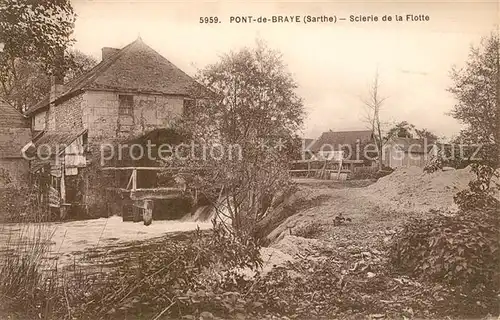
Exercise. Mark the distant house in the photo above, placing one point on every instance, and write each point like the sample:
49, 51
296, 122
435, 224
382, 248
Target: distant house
14, 134
406, 152
341, 144
130, 93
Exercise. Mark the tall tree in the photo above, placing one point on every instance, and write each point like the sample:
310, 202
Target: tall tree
476, 89
35, 32
32, 82
373, 104
251, 122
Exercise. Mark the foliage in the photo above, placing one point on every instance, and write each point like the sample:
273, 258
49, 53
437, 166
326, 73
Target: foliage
401, 130
434, 164
19, 204
480, 192
475, 89
32, 82
461, 250
247, 131
405, 129
36, 32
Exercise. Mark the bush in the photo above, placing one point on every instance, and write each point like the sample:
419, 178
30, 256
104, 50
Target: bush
480, 192
19, 205
434, 164
462, 250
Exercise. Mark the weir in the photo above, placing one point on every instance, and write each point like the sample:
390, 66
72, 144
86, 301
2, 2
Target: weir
144, 204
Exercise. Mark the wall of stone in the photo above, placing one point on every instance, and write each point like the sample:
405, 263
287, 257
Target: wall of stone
101, 117
68, 115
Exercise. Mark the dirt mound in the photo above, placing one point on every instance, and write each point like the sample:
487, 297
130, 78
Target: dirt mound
296, 246
411, 188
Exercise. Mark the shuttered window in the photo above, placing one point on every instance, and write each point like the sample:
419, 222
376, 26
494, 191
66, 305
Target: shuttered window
126, 106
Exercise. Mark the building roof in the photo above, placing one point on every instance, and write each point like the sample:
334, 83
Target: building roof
135, 68
334, 140
11, 118
48, 144
412, 145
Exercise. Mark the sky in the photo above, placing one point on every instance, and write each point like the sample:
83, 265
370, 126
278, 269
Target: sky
333, 64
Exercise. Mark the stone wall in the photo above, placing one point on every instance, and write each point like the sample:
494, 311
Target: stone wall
68, 115
101, 114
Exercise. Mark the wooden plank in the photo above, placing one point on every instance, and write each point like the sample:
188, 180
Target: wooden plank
340, 169
157, 193
152, 168
134, 180
316, 170
333, 161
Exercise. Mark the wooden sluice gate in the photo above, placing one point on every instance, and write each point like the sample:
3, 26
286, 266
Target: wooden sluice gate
138, 203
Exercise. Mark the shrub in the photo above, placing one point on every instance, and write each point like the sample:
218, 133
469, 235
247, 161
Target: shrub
462, 250
480, 192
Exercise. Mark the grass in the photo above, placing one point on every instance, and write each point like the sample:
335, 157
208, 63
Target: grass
22, 279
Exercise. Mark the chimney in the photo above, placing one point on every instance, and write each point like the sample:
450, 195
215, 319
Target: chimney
57, 79
56, 87
108, 52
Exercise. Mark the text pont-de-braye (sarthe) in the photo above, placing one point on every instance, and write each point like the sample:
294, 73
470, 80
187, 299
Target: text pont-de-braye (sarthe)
307, 19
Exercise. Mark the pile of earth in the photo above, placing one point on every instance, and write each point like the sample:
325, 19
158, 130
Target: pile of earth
412, 189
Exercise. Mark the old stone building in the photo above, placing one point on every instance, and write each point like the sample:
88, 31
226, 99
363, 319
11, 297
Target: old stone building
131, 92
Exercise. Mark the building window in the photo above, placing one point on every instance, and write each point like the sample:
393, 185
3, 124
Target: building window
126, 107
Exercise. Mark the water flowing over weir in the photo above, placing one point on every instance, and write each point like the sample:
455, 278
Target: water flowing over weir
201, 214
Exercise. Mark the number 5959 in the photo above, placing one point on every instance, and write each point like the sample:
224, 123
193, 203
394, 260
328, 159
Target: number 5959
209, 20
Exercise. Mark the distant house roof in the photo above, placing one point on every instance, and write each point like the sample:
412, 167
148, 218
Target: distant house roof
135, 68
412, 145
11, 118
334, 140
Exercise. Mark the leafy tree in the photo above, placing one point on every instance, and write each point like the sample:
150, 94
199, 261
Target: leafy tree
36, 32
251, 121
80, 63
476, 89
426, 134
32, 82
404, 129
401, 130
